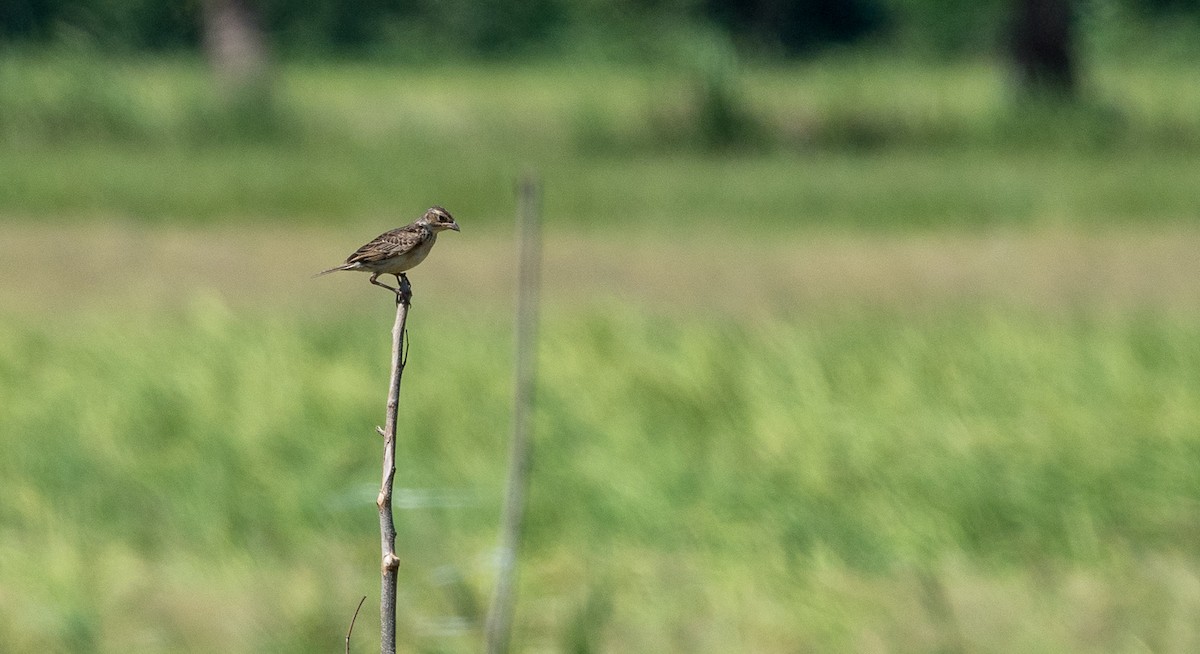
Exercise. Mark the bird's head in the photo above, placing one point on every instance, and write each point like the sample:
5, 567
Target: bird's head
439, 219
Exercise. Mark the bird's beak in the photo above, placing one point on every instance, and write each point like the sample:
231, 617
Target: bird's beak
454, 226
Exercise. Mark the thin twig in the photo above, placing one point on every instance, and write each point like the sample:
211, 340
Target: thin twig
500, 615
351, 629
387, 527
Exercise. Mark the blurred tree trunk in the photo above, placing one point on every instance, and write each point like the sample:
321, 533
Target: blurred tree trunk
1042, 39
236, 46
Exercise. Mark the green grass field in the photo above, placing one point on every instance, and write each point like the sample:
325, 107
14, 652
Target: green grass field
938, 392
847, 145
974, 480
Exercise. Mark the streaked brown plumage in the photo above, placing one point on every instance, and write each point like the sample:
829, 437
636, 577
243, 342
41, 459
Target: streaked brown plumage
394, 252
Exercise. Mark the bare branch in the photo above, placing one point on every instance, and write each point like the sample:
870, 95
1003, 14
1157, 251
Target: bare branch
387, 527
351, 629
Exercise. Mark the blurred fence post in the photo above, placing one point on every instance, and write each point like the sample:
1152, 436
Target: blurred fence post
529, 259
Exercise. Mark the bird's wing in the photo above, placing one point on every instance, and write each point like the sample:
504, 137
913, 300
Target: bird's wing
390, 244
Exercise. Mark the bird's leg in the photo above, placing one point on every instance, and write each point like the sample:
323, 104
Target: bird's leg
375, 281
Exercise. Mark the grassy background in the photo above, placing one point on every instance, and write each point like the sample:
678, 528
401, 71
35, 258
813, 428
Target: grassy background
894, 371
192, 483
853, 143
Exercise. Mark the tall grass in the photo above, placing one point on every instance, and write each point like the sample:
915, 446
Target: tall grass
864, 143
205, 482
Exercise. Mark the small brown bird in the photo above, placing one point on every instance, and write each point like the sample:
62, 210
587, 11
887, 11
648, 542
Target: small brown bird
394, 252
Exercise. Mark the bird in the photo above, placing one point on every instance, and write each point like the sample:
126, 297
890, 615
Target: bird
398, 250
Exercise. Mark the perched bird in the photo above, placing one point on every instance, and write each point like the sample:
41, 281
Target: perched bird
394, 252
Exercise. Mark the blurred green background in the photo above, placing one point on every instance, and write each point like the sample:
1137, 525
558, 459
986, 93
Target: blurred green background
868, 326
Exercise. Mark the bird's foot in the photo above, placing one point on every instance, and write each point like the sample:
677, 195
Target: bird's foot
404, 290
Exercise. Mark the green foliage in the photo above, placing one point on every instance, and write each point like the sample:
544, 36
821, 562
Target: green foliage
851, 142
715, 114
428, 30
113, 25
206, 482
71, 96
949, 27
66, 97
706, 100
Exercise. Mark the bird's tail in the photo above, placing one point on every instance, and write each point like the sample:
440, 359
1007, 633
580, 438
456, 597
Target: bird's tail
344, 266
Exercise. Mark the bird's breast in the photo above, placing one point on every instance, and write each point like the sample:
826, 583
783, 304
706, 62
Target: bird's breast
408, 260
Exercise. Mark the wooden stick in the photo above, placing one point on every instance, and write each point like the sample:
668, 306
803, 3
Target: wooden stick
500, 615
387, 528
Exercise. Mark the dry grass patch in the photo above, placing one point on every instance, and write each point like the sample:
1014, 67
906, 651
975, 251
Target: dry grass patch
133, 268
